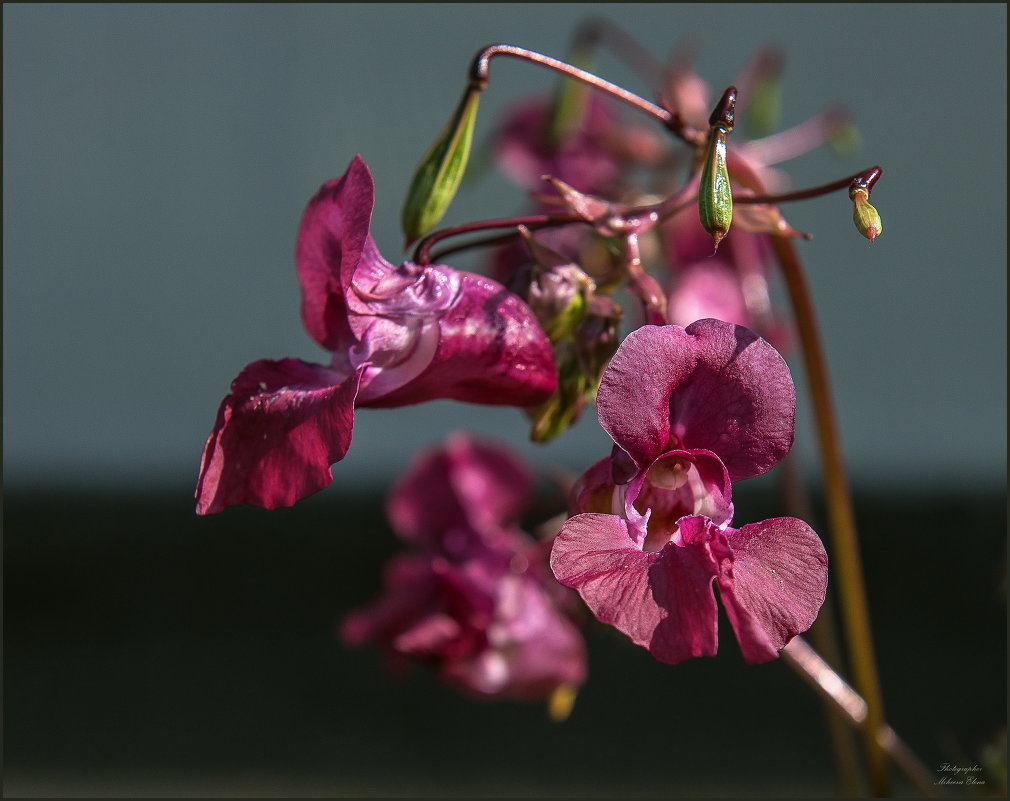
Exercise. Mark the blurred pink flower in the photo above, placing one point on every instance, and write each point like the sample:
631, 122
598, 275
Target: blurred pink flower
476, 601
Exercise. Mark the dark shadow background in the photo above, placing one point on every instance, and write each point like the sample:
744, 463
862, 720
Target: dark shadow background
150, 653
157, 158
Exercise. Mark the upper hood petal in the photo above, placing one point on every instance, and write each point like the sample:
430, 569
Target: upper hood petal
332, 235
712, 386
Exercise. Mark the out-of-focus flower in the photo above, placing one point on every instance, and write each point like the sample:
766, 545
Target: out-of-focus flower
689, 410
591, 156
398, 335
476, 601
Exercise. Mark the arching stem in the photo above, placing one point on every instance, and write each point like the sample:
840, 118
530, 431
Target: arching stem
481, 65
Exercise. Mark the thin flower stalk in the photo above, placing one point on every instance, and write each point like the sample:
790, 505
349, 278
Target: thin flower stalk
845, 552
853, 708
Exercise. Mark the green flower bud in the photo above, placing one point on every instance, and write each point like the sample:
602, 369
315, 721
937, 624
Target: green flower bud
558, 298
865, 216
439, 174
559, 291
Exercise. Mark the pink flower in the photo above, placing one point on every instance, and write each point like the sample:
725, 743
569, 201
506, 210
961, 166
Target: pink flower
689, 410
398, 335
477, 601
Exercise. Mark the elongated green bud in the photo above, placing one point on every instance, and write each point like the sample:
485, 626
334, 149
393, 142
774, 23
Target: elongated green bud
715, 199
439, 174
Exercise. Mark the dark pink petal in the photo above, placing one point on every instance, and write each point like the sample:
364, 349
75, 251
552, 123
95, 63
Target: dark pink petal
776, 584
276, 435
712, 386
740, 403
490, 350
333, 232
633, 401
662, 600
467, 485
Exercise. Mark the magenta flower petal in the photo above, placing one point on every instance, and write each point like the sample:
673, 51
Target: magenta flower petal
333, 233
463, 490
776, 585
661, 600
276, 435
490, 350
712, 386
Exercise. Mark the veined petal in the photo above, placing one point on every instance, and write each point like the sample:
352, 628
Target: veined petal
276, 435
332, 235
490, 350
633, 401
712, 386
740, 402
775, 586
662, 601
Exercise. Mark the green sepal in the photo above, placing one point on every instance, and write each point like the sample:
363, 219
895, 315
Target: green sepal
439, 174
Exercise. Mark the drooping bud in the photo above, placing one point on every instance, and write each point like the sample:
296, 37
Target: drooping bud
715, 198
866, 218
439, 174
